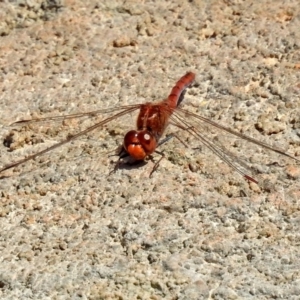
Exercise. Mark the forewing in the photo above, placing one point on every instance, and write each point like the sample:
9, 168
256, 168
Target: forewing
89, 114
124, 110
211, 134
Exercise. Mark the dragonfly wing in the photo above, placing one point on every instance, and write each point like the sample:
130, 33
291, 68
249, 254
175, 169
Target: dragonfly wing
224, 154
74, 116
125, 110
199, 118
201, 128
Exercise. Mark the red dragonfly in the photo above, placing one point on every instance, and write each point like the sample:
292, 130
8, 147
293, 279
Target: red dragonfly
152, 121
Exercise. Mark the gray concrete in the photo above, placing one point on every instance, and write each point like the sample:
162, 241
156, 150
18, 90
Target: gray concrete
194, 230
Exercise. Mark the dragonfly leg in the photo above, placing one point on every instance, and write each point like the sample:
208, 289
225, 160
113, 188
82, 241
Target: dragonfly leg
166, 139
161, 142
170, 136
156, 165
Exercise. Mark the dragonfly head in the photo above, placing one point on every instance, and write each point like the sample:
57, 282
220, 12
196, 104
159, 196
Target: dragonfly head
139, 144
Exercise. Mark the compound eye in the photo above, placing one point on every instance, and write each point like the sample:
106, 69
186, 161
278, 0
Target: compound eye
145, 138
139, 144
131, 137
147, 141
133, 146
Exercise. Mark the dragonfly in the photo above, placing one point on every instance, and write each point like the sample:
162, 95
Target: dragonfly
152, 120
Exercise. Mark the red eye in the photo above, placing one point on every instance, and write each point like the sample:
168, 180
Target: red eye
131, 137
147, 141
139, 144
133, 146
145, 138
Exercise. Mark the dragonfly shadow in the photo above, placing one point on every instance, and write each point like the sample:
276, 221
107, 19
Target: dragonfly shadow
4, 176
20, 174
125, 161
130, 165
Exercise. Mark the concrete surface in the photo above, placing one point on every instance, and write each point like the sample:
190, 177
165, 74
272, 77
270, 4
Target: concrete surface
194, 230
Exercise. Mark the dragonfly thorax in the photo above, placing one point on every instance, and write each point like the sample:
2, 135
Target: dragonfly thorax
139, 144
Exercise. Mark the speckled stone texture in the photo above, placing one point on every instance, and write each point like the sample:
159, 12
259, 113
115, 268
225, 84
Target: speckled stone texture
194, 230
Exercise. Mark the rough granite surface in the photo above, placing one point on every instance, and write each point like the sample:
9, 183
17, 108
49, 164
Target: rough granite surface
196, 229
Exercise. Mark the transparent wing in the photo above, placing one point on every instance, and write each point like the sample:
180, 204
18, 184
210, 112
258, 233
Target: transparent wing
77, 115
123, 110
201, 127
